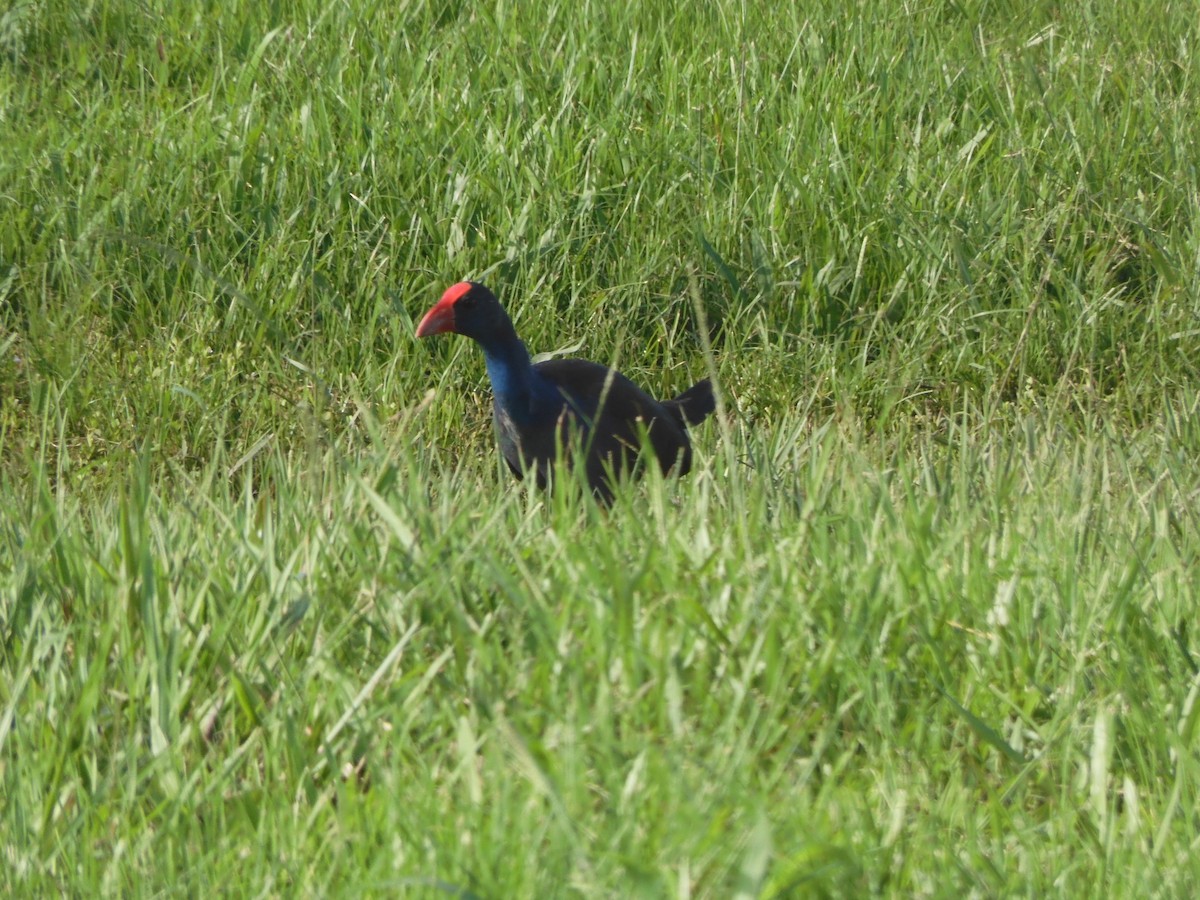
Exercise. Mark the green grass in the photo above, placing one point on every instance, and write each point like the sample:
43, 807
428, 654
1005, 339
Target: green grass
921, 621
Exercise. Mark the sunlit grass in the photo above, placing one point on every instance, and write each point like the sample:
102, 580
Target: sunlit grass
275, 619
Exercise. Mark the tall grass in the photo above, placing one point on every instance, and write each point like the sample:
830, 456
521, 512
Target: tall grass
274, 620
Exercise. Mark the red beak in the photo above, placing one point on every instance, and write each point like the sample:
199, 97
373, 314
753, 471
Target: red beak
440, 317
438, 320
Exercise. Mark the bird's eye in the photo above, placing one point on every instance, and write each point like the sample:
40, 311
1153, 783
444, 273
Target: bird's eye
466, 301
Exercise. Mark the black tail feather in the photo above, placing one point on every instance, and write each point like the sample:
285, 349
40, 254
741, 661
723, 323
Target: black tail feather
693, 405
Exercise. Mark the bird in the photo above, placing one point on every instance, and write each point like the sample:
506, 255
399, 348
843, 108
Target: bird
589, 410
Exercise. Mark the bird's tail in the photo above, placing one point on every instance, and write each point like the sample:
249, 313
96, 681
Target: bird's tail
693, 405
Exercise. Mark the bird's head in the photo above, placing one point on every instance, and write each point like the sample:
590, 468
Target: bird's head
467, 308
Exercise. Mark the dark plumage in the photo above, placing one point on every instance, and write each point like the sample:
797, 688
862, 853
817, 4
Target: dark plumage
566, 402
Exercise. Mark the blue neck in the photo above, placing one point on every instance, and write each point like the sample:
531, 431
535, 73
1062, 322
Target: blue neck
519, 390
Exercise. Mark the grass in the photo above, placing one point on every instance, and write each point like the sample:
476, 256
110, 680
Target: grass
275, 622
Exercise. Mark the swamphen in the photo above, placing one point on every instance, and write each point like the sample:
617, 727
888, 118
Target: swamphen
567, 403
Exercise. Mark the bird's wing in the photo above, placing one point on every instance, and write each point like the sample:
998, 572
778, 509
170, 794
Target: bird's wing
614, 413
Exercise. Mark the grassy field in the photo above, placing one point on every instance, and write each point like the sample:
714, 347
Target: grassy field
922, 621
